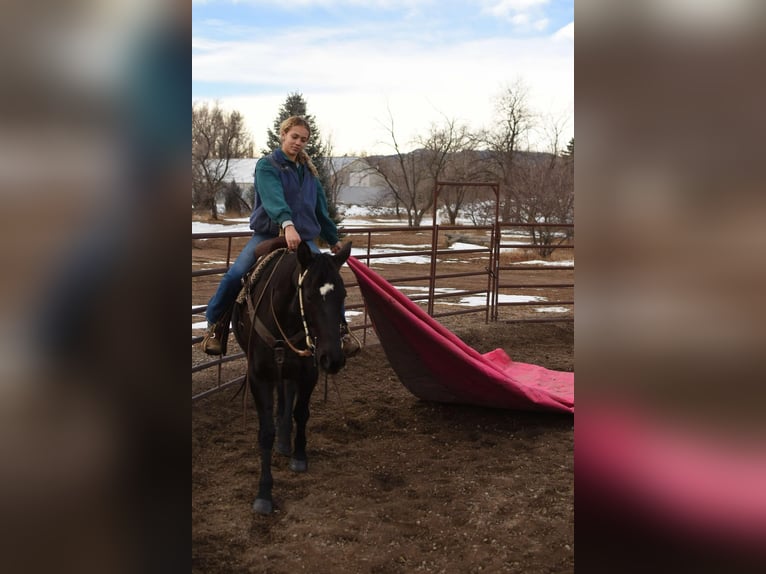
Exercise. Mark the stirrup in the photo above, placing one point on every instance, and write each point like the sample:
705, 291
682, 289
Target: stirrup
350, 343
213, 343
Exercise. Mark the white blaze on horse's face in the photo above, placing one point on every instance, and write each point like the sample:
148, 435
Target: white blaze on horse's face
325, 289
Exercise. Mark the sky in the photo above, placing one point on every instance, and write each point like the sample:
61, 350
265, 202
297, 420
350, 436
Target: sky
360, 64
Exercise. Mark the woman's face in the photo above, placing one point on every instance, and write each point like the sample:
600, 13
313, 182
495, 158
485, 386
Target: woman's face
294, 141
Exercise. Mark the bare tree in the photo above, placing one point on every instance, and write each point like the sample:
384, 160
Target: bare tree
546, 191
445, 159
217, 137
476, 203
514, 121
411, 176
465, 165
406, 177
479, 207
334, 173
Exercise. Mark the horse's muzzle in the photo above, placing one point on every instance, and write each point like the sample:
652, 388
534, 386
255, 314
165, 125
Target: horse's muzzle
332, 362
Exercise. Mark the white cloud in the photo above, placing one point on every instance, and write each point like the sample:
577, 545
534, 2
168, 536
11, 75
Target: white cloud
520, 19
305, 4
506, 7
565, 32
518, 12
351, 80
352, 75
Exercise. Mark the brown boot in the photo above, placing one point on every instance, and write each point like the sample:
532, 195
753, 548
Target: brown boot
212, 344
349, 342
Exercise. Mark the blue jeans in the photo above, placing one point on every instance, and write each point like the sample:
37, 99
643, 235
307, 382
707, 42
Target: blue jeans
231, 283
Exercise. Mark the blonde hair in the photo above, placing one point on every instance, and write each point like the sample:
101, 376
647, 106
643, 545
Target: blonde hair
303, 157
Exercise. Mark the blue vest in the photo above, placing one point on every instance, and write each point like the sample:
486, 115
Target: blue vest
301, 198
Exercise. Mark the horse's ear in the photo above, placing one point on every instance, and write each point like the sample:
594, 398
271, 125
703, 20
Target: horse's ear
342, 255
305, 256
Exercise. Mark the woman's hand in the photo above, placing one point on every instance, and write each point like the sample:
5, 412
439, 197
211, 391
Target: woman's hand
292, 237
335, 248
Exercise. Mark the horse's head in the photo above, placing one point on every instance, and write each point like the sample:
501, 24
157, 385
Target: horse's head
323, 293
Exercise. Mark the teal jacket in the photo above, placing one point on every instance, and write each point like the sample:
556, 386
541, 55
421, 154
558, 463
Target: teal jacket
285, 190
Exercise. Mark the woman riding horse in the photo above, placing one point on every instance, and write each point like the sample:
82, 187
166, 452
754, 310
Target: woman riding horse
288, 196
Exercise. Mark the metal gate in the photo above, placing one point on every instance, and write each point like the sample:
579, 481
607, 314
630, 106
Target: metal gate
491, 279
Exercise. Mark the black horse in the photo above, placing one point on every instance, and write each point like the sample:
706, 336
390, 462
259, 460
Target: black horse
289, 327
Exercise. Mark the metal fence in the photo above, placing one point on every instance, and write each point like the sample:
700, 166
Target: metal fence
484, 273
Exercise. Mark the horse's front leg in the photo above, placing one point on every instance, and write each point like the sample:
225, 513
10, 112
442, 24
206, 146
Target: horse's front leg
263, 392
299, 460
286, 398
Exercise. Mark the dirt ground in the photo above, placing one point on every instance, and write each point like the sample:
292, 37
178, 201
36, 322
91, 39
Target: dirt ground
394, 484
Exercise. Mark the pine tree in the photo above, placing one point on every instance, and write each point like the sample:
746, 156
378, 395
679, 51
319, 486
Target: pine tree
569, 153
295, 105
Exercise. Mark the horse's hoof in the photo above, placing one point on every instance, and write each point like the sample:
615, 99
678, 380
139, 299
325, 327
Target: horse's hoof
298, 465
262, 506
284, 449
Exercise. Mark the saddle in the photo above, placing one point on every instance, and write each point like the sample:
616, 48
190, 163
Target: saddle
264, 252
266, 247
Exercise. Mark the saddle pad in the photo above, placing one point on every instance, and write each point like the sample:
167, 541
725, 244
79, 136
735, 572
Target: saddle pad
252, 276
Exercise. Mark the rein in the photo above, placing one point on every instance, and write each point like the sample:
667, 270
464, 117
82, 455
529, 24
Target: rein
257, 327
310, 347
261, 329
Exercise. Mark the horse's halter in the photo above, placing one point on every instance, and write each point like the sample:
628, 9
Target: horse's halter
310, 347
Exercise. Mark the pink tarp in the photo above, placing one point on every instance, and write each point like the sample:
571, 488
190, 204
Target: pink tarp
436, 365
640, 465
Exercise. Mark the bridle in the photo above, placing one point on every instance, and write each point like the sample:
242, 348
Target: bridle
310, 346
265, 334
258, 327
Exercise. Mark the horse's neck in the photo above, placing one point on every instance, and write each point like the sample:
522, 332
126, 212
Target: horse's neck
284, 295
